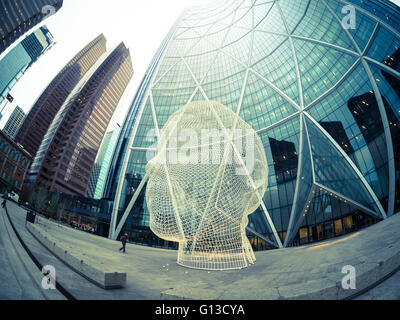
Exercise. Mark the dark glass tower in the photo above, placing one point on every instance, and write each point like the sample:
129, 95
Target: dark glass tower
18, 16
68, 151
323, 99
43, 112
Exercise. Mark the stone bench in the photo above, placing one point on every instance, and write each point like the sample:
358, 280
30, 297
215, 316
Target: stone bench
101, 276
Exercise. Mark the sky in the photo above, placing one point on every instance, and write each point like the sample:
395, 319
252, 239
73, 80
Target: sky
140, 24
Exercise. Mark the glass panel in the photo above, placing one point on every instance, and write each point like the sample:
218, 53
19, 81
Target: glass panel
389, 87
240, 49
388, 11
320, 24
320, 67
264, 45
261, 11
223, 67
384, 45
178, 77
338, 227
200, 65
145, 135
244, 16
178, 48
282, 150
303, 234
293, 11
226, 91
351, 116
272, 22
165, 66
135, 172
333, 170
262, 106
166, 102
326, 209
305, 185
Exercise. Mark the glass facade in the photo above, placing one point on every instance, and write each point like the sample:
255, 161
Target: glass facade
325, 101
102, 165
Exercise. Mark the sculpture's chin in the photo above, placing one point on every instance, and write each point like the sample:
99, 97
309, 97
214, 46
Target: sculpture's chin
164, 233
214, 258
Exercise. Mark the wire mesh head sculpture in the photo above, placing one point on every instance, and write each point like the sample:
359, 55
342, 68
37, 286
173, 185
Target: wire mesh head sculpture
208, 174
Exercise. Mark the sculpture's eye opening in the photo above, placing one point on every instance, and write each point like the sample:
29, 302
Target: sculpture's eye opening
208, 174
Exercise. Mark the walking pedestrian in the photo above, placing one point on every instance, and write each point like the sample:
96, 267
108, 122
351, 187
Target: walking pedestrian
123, 239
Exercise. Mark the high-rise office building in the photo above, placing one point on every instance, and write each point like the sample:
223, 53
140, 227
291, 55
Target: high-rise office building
19, 16
21, 57
68, 151
102, 164
93, 179
324, 99
43, 112
14, 122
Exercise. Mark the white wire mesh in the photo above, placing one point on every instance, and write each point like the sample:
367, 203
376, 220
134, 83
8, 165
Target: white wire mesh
208, 174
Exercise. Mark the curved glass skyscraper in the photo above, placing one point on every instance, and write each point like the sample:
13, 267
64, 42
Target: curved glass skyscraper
318, 80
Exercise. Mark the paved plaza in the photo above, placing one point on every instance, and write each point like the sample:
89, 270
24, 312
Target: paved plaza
309, 272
